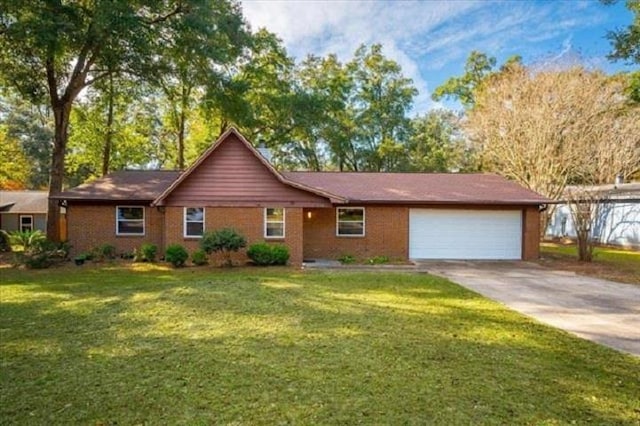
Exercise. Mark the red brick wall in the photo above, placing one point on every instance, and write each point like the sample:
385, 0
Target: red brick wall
90, 226
386, 234
249, 221
531, 233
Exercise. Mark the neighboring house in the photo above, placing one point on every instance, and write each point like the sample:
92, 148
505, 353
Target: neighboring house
23, 210
618, 221
318, 215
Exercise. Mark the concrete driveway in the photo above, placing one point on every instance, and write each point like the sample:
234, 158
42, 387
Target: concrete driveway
603, 311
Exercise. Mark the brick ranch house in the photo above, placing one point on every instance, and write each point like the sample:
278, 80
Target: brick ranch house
318, 215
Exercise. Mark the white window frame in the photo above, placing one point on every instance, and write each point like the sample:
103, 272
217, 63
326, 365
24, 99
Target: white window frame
283, 221
144, 227
30, 216
184, 222
364, 222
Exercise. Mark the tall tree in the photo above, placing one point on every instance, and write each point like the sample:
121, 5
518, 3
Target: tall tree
54, 50
625, 43
477, 69
195, 58
381, 99
14, 169
112, 128
436, 143
546, 129
32, 125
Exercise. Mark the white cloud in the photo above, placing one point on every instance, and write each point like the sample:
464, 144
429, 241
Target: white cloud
422, 36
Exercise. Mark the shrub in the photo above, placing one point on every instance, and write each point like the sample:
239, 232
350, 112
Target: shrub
267, 254
105, 252
378, 260
128, 255
26, 240
176, 255
199, 257
39, 260
39, 253
226, 241
148, 252
4, 242
346, 259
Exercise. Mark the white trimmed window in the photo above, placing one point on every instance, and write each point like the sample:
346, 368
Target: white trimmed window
129, 220
26, 223
274, 223
193, 221
350, 221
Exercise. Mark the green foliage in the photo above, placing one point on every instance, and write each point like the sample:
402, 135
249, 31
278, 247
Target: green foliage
264, 254
128, 255
226, 241
33, 250
14, 174
4, 242
381, 102
626, 41
199, 257
436, 144
146, 253
27, 130
37, 260
25, 240
347, 259
176, 255
478, 68
378, 260
104, 252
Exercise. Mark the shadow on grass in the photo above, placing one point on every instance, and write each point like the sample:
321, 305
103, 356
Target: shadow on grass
265, 347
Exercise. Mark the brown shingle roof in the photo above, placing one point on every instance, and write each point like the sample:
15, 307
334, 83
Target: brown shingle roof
407, 188
419, 188
23, 201
133, 185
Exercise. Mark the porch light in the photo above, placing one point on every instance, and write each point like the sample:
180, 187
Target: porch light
309, 215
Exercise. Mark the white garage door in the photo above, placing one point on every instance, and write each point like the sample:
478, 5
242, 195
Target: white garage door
465, 234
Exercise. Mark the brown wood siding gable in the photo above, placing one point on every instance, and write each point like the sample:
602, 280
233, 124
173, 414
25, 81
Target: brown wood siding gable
232, 176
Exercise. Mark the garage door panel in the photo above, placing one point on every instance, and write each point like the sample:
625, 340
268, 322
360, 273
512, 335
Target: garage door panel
465, 234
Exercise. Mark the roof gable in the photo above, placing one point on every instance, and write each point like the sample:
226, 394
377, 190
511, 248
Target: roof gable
233, 172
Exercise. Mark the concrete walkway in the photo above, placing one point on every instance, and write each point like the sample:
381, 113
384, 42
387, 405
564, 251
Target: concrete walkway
602, 311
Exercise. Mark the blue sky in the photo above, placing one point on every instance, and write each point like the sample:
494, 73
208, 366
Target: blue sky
432, 39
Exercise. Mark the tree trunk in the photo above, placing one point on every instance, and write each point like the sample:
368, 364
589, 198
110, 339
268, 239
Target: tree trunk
61, 113
181, 139
108, 141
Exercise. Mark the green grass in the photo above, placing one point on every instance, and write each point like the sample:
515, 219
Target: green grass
610, 263
147, 345
603, 254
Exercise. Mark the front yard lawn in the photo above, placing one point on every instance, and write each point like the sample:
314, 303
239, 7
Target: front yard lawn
609, 263
143, 344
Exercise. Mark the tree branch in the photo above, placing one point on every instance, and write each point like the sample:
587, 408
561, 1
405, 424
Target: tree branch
180, 8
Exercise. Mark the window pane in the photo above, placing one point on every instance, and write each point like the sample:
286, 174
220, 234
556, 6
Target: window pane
350, 228
275, 215
195, 214
130, 227
351, 215
25, 220
131, 213
195, 228
275, 229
